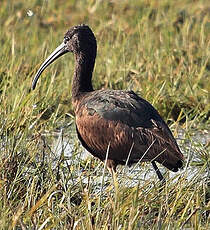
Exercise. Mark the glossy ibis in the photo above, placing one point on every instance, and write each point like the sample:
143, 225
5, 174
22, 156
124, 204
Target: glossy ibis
116, 126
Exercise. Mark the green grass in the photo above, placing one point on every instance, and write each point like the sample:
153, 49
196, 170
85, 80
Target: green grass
159, 49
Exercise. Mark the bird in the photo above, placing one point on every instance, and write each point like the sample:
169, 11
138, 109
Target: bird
117, 126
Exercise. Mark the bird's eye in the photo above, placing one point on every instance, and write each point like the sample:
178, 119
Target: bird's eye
66, 39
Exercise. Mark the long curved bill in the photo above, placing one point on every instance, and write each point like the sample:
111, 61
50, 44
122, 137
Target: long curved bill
58, 52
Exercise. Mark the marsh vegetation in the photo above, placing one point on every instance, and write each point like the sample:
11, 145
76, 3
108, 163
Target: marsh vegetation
159, 49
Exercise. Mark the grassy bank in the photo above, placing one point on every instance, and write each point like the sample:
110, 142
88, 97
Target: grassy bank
159, 49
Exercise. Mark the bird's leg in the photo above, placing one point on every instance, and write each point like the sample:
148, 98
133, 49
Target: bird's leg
159, 174
111, 166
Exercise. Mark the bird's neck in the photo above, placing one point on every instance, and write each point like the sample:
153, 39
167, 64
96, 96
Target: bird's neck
82, 75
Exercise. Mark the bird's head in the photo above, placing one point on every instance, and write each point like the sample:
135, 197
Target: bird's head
78, 39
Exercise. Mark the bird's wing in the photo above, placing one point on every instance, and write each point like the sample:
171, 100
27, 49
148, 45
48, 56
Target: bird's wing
135, 113
124, 106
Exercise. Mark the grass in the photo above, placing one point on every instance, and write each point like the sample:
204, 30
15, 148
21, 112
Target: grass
159, 49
